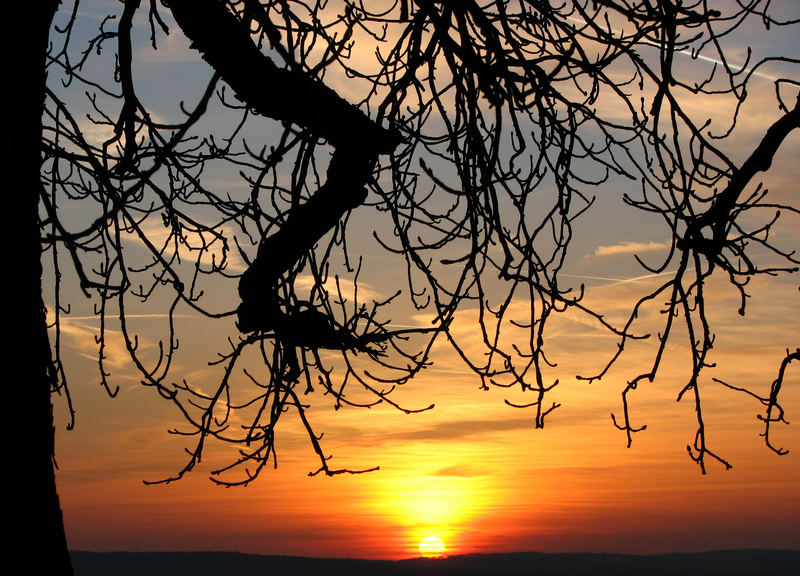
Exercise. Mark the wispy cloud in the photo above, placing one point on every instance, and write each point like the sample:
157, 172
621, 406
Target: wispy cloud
68, 318
629, 248
347, 288
191, 244
460, 471
461, 429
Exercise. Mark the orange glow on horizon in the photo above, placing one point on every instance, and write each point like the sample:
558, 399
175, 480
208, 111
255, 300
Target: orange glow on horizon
473, 471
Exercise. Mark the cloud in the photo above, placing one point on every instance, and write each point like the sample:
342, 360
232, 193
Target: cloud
464, 428
194, 244
97, 133
460, 471
172, 48
630, 248
80, 334
366, 292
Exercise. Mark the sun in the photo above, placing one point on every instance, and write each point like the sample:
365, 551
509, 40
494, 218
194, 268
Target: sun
431, 547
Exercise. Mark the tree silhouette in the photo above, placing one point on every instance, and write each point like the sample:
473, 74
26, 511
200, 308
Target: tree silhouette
479, 133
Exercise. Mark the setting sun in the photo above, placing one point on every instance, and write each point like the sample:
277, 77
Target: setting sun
431, 547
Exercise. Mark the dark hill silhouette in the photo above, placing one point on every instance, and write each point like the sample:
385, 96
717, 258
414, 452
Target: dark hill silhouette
728, 563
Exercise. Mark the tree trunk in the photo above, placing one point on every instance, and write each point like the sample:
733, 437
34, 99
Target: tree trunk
38, 542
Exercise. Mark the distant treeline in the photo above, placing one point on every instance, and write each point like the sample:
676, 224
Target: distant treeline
727, 563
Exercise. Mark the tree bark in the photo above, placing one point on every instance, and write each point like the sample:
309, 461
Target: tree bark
38, 543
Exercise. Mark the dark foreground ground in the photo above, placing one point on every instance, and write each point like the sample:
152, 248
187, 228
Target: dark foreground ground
728, 563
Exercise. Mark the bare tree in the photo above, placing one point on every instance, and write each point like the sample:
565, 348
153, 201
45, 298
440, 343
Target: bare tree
480, 132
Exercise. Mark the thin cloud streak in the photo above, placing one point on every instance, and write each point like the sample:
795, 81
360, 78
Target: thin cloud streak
66, 318
460, 471
463, 428
688, 53
620, 280
629, 248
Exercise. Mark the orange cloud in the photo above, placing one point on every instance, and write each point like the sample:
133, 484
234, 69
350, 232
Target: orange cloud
630, 248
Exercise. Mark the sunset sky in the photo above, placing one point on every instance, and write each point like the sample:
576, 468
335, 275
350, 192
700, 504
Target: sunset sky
472, 471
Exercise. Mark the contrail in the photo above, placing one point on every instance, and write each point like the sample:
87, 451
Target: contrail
688, 53
617, 280
93, 317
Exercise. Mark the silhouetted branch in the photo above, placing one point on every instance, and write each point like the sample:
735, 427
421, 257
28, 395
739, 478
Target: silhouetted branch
773, 410
479, 132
